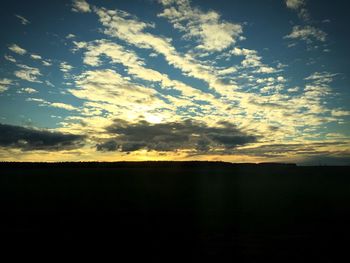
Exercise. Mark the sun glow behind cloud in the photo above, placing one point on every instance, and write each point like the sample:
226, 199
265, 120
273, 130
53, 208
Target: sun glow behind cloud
180, 83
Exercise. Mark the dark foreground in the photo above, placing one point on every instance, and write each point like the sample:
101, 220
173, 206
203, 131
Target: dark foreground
176, 211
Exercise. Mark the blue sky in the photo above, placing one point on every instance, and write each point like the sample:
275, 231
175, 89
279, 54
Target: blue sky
240, 81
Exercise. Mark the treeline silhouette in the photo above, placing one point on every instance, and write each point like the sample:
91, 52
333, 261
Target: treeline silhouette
141, 164
190, 211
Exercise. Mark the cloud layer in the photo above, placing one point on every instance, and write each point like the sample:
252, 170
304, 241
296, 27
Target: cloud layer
28, 139
192, 136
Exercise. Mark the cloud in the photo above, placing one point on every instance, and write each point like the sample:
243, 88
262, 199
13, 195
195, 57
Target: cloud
17, 49
122, 25
80, 6
109, 86
65, 67
299, 6
307, 33
252, 60
70, 36
340, 113
136, 67
23, 20
207, 28
52, 104
321, 77
338, 158
295, 4
28, 73
294, 149
10, 58
46, 63
62, 106
29, 139
186, 135
4, 83
35, 56
28, 90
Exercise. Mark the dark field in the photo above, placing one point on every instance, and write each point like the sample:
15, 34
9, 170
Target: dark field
184, 211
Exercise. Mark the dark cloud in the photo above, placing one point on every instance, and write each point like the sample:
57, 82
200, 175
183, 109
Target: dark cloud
28, 139
330, 158
173, 136
313, 150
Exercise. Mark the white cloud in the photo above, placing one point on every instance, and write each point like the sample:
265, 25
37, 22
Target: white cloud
70, 36
23, 20
4, 83
81, 6
35, 56
65, 67
46, 63
307, 33
121, 25
207, 28
28, 90
10, 58
242, 52
28, 73
299, 6
59, 105
295, 89
110, 86
224, 100
295, 4
340, 113
62, 106
17, 49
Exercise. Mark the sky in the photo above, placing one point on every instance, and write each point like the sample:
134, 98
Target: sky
237, 81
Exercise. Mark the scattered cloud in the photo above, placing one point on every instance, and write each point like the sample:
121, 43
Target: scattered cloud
17, 49
36, 56
23, 20
71, 36
27, 73
110, 87
4, 84
340, 113
28, 90
65, 67
60, 105
10, 58
299, 6
46, 63
307, 33
295, 4
211, 33
81, 6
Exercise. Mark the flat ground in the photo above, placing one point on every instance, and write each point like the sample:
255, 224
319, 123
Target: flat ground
197, 211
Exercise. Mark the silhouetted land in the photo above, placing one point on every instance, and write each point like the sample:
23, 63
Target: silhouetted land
185, 210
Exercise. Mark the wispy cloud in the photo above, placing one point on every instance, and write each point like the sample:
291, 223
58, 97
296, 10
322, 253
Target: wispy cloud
23, 20
307, 33
59, 105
